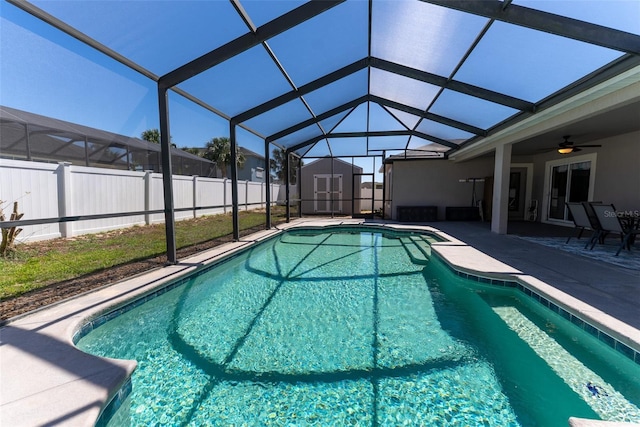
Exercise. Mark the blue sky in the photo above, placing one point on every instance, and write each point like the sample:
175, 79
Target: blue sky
45, 71
48, 72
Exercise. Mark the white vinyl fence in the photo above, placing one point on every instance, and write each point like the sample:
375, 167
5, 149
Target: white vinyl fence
365, 193
45, 190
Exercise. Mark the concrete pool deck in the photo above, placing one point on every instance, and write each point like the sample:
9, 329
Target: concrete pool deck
45, 380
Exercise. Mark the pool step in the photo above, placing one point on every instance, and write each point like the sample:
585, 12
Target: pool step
417, 249
423, 243
605, 400
428, 238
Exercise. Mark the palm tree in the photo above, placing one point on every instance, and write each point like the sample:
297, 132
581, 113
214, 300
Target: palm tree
218, 150
153, 135
277, 163
193, 150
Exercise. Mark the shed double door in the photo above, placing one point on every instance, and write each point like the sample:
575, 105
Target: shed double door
327, 190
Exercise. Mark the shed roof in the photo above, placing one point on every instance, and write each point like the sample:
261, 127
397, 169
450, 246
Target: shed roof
316, 162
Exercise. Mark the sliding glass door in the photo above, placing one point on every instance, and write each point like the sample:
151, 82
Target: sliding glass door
558, 194
569, 181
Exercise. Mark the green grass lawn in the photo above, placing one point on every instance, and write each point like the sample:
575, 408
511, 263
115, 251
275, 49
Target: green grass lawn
39, 264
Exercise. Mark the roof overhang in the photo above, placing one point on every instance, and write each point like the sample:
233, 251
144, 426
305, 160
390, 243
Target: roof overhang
621, 93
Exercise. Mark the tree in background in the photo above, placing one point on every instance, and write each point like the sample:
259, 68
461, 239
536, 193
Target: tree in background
277, 165
153, 135
193, 150
218, 150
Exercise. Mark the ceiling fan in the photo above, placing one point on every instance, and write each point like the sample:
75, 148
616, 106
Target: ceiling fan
566, 146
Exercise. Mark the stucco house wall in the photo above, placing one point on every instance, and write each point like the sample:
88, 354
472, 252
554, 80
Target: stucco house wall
617, 172
435, 182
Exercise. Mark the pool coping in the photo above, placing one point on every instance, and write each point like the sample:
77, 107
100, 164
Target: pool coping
47, 380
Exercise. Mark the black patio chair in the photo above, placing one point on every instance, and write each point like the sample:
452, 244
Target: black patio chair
583, 221
598, 234
580, 219
593, 219
610, 222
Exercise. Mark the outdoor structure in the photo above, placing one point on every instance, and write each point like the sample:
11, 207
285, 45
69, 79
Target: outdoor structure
474, 109
32, 137
508, 82
330, 186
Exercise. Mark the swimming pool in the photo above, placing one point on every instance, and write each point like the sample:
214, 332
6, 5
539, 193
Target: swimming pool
357, 327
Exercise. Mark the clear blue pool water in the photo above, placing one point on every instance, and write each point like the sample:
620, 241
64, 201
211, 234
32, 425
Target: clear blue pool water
357, 328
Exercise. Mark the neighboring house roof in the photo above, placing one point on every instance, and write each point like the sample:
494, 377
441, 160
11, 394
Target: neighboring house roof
68, 129
245, 151
249, 153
